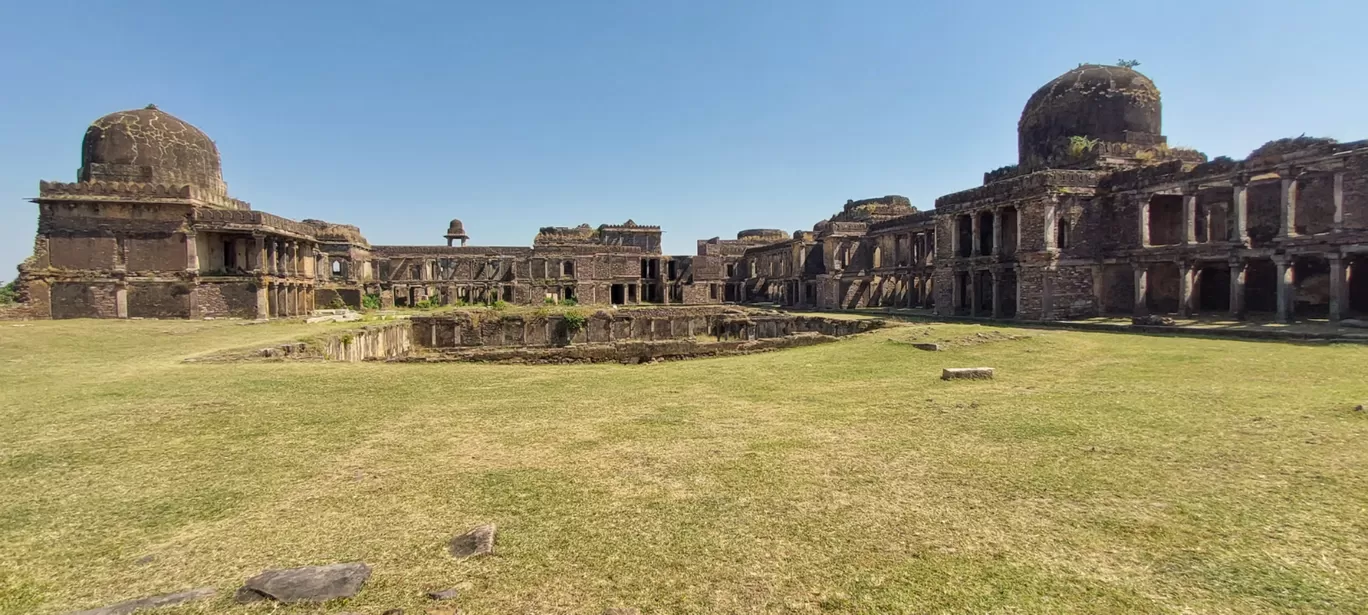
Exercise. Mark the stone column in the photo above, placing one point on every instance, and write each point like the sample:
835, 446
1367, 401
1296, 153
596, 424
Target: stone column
997, 234
259, 253
121, 300
1285, 289
973, 293
1238, 269
1339, 201
955, 292
974, 243
997, 294
1051, 220
1337, 286
1287, 222
263, 301
1144, 210
1141, 289
191, 253
1189, 218
1239, 207
1185, 279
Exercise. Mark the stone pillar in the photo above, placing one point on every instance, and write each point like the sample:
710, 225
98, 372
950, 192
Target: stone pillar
1239, 207
1141, 289
1144, 210
1337, 286
997, 236
1051, 219
974, 243
191, 253
263, 300
997, 279
1189, 218
1285, 289
1238, 269
1339, 201
973, 293
1287, 222
121, 300
954, 292
259, 253
1185, 279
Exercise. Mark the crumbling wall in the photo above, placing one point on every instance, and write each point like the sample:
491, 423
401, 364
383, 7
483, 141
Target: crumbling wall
228, 299
160, 300
82, 251
156, 253
84, 300
464, 329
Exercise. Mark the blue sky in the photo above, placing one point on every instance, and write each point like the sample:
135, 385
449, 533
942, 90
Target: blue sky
705, 117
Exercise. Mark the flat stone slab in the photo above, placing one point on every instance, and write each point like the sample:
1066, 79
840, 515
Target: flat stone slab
967, 373
151, 602
479, 541
927, 346
307, 584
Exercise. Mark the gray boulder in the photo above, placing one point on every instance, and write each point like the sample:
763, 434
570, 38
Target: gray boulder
479, 541
307, 584
151, 602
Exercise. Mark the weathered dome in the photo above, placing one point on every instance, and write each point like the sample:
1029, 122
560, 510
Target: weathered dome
1107, 103
456, 229
153, 146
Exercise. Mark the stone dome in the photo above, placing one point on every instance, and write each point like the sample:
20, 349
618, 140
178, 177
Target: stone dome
150, 145
1107, 103
456, 229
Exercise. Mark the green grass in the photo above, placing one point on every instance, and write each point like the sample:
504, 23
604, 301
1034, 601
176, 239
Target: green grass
1098, 473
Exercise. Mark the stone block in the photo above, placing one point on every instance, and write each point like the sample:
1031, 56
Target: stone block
967, 373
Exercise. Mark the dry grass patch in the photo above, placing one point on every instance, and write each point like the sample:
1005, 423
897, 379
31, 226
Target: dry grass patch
1097, 473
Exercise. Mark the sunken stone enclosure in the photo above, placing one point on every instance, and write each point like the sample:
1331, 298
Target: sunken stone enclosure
611, 335
1099, 216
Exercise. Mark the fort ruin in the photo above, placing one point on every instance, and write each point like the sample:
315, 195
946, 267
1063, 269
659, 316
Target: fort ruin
1100, 215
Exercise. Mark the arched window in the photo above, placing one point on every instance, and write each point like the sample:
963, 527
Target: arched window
337, 267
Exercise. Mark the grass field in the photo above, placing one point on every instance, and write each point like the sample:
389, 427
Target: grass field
1098, 473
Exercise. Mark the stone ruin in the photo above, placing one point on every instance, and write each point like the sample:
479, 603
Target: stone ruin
1100, 215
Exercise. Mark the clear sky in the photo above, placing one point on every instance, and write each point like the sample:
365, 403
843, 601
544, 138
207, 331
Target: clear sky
702, 116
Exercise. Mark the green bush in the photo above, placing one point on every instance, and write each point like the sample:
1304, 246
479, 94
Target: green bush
425, 304
498, 304
370, 302
569, 302
337, 304
1079, 145
9, 293
549, 301
574, 320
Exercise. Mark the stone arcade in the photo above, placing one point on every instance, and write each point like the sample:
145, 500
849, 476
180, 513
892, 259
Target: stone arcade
1100, 215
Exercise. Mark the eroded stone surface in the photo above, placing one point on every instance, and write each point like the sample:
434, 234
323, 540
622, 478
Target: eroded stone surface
305, 584
478, 541
967, 373
151, 602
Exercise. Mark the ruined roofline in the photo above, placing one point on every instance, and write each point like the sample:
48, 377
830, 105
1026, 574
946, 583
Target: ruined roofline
1037, 180
921, 217
136, 192
574, 249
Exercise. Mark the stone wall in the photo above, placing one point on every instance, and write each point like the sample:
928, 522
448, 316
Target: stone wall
384, 341
486, 328
160, 300
228, 299
84, 300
